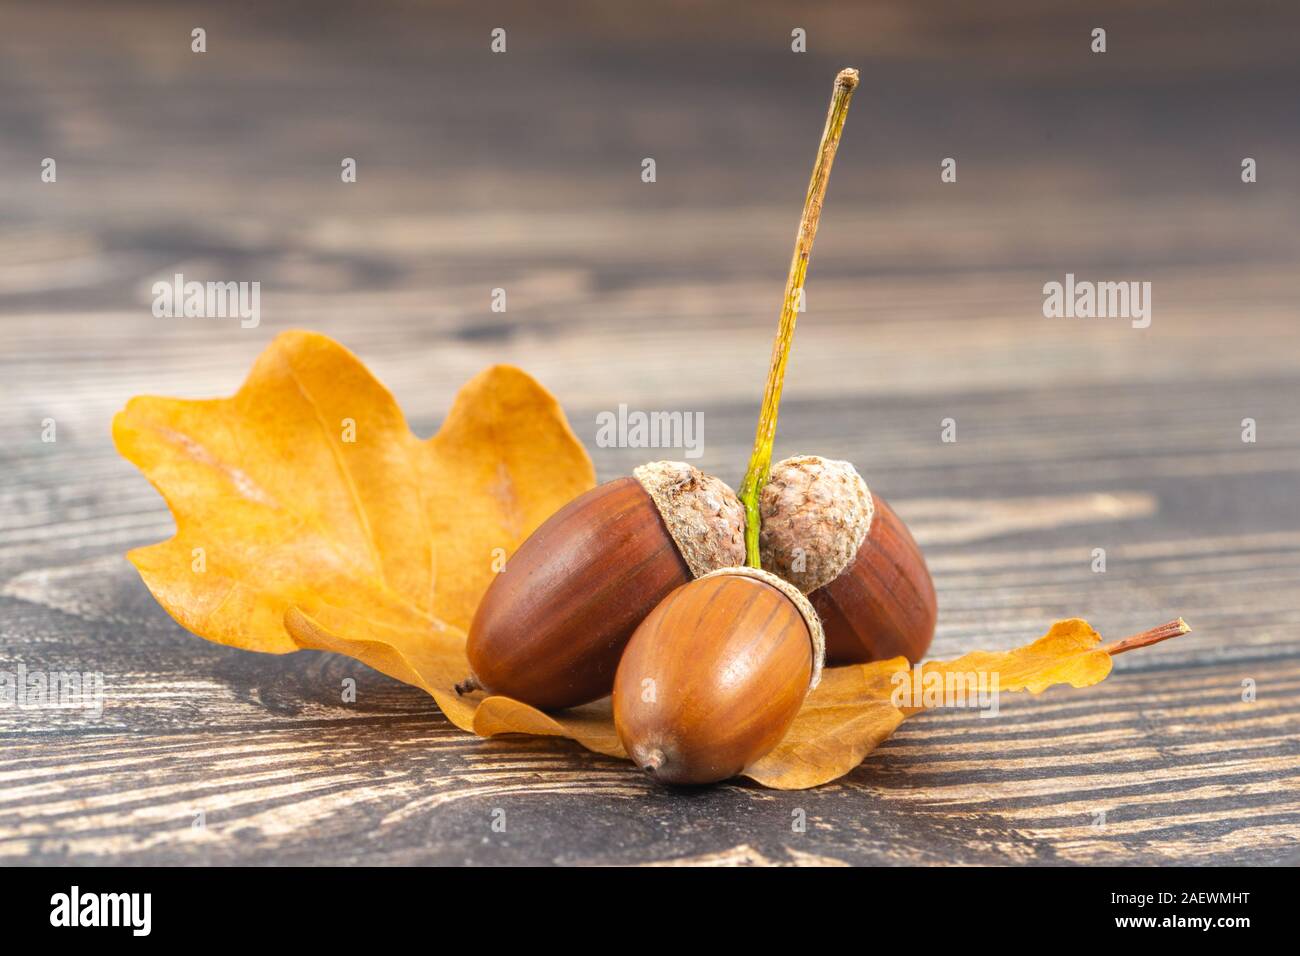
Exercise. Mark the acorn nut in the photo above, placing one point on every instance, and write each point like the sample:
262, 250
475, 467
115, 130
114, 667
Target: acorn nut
825, 532
551, 626
714, 676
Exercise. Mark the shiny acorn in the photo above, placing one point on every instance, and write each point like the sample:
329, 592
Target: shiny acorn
825, 532
714, 676
551, 626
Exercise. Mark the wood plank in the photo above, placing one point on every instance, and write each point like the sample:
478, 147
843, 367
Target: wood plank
925, 303
1183, 769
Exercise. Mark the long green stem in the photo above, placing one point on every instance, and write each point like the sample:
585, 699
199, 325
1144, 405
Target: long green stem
760, 461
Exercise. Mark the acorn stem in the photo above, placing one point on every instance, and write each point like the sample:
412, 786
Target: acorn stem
760, 461
1154, 636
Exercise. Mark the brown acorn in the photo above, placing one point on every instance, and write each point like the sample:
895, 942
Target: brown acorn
551, 626
825, 532
714, 676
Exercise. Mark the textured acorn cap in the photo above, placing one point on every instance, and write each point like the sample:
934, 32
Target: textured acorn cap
815, 632
702, 513
816, 513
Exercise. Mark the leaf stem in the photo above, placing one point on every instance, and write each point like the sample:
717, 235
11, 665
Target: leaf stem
760, 461
1154, 636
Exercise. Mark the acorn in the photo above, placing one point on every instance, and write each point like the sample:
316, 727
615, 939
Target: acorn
551, 626
825, 532
714, 676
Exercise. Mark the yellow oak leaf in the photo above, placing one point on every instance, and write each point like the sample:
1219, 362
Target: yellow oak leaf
308, 515
853, 711
591, 725
503, 462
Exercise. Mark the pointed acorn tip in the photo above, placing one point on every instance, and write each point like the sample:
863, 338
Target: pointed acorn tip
651, 761
468, 686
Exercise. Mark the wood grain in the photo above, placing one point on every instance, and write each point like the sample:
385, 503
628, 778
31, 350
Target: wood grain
522, 172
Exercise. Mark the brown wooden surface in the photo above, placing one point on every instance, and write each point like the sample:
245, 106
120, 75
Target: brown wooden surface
523, 171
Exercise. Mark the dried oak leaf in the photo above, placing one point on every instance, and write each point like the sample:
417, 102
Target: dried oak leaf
852, 713
308, 515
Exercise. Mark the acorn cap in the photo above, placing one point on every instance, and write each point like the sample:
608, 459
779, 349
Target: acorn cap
703, 514
816, 513
815, 632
